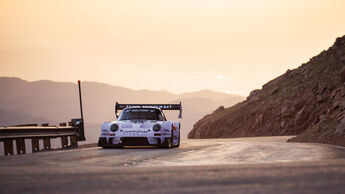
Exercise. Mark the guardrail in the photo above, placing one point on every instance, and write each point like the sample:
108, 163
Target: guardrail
73, 130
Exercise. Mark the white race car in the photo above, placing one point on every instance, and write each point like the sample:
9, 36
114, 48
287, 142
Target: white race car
140, 125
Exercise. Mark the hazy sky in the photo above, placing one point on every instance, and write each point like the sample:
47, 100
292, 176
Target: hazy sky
231, 46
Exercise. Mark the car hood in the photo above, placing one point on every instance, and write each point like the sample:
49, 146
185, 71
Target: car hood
143, 124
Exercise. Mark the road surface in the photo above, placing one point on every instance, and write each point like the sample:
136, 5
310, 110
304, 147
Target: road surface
238, 165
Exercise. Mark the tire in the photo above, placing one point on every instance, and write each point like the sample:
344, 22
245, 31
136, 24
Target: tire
179, 137
167, 143
172, 139
101, 142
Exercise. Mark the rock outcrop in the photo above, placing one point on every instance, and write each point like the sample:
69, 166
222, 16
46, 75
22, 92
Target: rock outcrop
308, 102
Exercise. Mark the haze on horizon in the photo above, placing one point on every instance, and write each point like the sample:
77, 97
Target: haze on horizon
178, 46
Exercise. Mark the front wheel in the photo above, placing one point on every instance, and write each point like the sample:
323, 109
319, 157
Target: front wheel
168, 143
179, 137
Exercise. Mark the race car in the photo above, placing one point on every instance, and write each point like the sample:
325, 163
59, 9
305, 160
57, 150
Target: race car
141, 125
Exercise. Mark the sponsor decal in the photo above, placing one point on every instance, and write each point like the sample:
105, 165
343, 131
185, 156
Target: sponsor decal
150, 106
135, 131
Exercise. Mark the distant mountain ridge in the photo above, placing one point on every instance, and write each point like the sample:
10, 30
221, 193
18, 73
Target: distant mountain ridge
9, 118
42, 101
308, 101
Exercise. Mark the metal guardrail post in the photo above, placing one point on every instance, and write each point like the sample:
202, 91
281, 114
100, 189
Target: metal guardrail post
46, 143
74, 142
8, 144
20, 146
64, 141
35, 144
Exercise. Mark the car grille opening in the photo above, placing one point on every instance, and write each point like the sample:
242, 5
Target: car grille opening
135, 141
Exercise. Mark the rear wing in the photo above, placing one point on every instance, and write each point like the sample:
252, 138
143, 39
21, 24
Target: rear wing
161, 106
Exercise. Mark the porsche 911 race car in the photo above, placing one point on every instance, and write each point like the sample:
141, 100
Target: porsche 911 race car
141, 125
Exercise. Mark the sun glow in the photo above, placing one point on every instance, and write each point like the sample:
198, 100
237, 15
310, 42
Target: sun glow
180, 43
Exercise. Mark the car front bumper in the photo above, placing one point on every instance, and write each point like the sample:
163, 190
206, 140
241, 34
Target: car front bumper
130, 141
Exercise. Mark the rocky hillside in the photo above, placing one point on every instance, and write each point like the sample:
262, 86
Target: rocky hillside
308, 101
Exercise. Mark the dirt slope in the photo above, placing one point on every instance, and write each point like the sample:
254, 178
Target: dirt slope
308, 101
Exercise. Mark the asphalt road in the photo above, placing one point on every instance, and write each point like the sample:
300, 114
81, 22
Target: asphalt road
239, 165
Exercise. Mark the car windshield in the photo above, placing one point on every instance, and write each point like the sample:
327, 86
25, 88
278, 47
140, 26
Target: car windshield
141, 114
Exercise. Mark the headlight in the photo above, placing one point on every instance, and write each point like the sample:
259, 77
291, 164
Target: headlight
156, 127
114, 127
